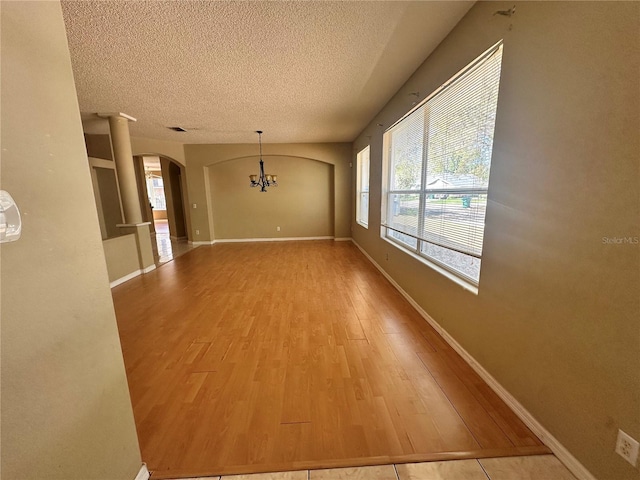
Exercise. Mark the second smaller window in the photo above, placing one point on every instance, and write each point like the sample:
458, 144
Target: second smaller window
362, 186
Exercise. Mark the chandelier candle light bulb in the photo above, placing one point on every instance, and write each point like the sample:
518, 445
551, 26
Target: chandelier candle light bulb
263, 181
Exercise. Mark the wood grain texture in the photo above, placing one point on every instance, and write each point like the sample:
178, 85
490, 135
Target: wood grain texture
246, 358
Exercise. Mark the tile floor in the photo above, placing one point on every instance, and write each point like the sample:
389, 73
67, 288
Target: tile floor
537, 467
164, 248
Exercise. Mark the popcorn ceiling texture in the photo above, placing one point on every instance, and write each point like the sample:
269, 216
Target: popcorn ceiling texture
308, 71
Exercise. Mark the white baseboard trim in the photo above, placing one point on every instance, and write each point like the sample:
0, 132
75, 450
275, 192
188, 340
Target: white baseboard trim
150, 268
536, 427
342, 239
143, 473
205, 242
274, 239
120, 280
131, 275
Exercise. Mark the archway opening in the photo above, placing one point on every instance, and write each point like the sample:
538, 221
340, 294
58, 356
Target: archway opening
163, 204
302, 206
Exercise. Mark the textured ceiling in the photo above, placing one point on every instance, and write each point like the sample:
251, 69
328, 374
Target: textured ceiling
302, 71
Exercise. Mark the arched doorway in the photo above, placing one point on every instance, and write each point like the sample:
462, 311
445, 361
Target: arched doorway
163, 203
301, 207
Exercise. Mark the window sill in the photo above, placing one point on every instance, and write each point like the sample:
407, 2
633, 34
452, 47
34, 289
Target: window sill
443, 271
363, 225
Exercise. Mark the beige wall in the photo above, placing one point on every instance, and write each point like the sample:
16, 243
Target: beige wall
301, 205
107, 186
150, 146
557, 317
66, 412
121, 256
177, 199
171, 179
201, 158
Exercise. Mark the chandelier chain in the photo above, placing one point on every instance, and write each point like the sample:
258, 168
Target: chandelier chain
261, 180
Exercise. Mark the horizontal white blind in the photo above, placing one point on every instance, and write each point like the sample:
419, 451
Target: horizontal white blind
460, 128
439, 162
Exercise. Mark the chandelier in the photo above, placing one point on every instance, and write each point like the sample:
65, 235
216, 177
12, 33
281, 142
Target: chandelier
263, 181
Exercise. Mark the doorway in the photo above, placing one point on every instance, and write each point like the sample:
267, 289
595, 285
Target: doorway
163, 206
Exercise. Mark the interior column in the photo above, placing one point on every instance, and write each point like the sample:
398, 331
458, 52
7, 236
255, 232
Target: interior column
125, 171
123, 156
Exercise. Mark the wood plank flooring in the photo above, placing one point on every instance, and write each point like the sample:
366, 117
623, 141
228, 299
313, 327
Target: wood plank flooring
280, 356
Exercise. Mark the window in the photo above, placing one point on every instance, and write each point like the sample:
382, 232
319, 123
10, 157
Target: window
362, 186
437, 162
155, 189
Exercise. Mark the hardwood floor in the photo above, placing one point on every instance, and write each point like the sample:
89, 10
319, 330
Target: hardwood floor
278, 356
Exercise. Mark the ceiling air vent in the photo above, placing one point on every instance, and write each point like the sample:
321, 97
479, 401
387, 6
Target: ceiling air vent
177, 129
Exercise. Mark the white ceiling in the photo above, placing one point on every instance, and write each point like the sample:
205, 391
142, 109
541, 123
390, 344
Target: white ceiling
302, 71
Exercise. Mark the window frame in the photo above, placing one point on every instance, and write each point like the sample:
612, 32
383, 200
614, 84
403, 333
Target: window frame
386, 230
359, 185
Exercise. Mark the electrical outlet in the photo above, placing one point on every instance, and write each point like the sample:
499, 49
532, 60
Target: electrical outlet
277, 229
627, 448
197, 232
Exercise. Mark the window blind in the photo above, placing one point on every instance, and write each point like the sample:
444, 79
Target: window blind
439, 160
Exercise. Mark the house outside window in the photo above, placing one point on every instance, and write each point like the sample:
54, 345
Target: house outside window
362, 187
437, 161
